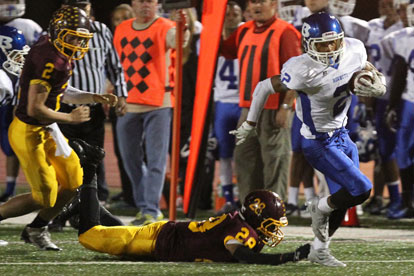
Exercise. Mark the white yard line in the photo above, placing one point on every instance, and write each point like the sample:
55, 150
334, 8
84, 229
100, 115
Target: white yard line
140, 263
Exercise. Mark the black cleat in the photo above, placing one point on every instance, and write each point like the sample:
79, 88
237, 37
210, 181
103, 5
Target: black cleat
88, 154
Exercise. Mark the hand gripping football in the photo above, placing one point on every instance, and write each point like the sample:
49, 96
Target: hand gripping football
356, 78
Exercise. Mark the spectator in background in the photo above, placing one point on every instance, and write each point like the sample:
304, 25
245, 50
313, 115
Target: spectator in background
10, 13
143, 44
262, 46
190, 64
227, 109
120, 14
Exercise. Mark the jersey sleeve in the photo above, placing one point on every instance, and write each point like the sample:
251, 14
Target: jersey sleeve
361, 51
6, 88
291, 74
390, 45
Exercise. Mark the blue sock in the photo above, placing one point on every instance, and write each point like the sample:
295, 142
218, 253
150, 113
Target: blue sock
228, 192
10, 188
394, 193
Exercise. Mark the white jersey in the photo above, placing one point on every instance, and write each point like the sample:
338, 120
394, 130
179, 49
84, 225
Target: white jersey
6, 88
376, 52
226, 83
355, 28
30, 29
401, 43
323, 100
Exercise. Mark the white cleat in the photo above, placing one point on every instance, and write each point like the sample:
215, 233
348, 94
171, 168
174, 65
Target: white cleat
319, 220
3, 243
323, 256
39, 237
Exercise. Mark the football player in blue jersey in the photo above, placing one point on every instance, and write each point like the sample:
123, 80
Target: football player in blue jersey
11, 12
400, 111
320, 77
386, 168
13, 48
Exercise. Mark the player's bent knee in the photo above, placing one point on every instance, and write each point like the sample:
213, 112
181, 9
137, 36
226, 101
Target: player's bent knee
344, 200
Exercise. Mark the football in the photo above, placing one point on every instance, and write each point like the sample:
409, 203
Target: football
356, 79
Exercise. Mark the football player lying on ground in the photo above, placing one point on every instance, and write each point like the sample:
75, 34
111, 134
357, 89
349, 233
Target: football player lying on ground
234, 237
321, 77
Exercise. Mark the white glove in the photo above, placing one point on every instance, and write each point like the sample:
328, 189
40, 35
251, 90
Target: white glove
243, 132
367, 89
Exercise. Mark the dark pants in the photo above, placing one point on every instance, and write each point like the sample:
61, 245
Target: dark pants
92, 132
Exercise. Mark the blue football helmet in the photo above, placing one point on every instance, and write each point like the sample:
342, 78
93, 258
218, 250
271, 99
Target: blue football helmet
13, 49
341, 7
10, 9
322, 27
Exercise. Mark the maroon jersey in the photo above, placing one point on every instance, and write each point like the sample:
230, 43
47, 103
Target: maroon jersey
205, 240
43, 65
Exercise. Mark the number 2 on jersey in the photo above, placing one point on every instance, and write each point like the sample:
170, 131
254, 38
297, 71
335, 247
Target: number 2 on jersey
341, 102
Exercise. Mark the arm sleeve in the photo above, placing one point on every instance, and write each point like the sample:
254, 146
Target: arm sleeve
261, 93
289, 46
113, 66
76, 96
245, 255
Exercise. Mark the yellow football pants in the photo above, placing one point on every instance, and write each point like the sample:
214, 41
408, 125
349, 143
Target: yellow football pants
35, 148
122, 240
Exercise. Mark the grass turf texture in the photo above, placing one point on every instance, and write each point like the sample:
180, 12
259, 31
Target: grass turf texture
363, 257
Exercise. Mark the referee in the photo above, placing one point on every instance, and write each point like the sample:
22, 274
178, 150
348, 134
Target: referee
90, 74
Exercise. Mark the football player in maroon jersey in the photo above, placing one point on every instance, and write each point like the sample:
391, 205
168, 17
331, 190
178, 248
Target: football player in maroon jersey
51, 167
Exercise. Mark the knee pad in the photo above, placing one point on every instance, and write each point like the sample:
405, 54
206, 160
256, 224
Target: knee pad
342, 199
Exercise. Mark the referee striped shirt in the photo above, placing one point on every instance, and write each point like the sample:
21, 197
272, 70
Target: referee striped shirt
99, 63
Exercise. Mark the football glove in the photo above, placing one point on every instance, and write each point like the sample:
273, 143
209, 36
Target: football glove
377, 88
243, 132
302, 252
391, 119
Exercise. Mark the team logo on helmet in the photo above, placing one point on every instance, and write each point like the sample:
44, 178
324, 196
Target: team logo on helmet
13, 49
265, 212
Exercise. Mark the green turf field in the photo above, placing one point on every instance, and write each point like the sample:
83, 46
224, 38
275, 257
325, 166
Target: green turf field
366, 252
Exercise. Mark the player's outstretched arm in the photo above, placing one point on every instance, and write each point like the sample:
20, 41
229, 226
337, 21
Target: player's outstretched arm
245, 255
261, 93
37, 108
76, 96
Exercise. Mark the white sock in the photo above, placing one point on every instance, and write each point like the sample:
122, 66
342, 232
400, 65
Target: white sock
293, 195
226, 171
393, 183
323, 205
309, 193
317, 244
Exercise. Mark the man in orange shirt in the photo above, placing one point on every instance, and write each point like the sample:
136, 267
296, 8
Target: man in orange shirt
262, 46
143, 44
